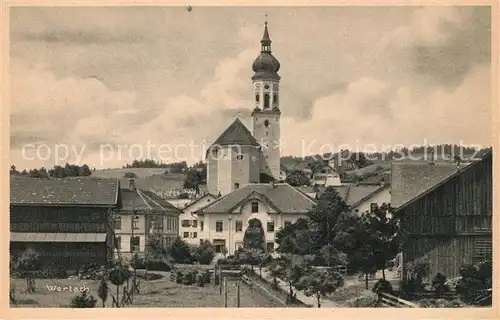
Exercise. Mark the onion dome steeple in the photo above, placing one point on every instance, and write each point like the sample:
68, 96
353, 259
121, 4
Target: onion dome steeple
266, 66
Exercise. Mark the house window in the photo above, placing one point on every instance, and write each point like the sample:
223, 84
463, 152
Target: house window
135, 244
215, 152
218, 226
185, 234
118, 243
270, 226
185, 223
195, 224
195, 235
255, 207
135, 223
373, 207
118, 223
288, 223
239, 157
238, 225
236, 185
202, 224
266, 100
266, 123
270, 246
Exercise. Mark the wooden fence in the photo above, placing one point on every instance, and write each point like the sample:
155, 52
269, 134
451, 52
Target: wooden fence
388, 300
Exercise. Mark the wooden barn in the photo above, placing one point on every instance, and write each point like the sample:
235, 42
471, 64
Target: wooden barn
449, 223
67, 221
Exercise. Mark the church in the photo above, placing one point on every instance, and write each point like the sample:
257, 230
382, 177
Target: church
243, 170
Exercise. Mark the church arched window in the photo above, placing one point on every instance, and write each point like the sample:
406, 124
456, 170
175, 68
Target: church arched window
266, 100
257, 97
275, 99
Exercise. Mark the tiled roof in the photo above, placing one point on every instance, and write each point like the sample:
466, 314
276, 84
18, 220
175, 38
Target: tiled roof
72, 191
284, 197
352, 194
412, 178
145, 201
57, 237
487, 155
236, 134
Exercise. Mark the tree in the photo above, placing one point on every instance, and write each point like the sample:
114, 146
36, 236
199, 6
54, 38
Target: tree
319, 283
118, 275
195, 177
204, 253
13, 170
295, 238
384, 235
180, 251
297, 178
291, 268
354, 238
83, 301
28, 263
102, 291
254, 237
323, 218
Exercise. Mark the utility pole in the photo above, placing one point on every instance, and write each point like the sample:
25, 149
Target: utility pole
220, 279
225, 292
238, 294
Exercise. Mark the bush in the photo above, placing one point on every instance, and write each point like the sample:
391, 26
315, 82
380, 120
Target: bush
178, 277
382, 286
159, 265
189, 277
366, 300
83, 301
410, 286
438, 284
439, 303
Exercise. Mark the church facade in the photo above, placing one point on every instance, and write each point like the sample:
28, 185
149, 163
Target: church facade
239, 156
244, 172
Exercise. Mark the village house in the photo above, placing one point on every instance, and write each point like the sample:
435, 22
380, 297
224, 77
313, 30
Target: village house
358, 197
142, 215
277, 205
325, 175
446, 213
190, 227
67, 221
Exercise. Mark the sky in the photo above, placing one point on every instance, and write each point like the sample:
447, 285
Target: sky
104, 86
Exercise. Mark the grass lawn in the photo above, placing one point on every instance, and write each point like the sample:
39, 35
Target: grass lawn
160, 293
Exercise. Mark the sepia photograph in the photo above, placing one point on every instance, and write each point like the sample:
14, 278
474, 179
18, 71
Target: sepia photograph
250, 156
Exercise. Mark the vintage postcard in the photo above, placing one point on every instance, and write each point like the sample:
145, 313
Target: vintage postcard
204, 155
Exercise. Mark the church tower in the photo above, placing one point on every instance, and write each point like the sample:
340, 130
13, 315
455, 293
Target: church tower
266, 113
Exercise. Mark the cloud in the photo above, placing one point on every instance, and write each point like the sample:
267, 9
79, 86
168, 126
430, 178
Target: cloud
353, 117
392, 75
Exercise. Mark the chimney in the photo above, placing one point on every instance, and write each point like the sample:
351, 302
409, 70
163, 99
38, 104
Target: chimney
131, 184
